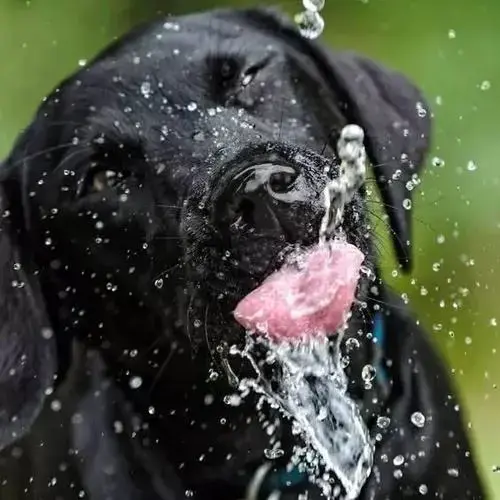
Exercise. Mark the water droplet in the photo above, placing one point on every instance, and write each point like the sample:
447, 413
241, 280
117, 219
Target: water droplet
366, 271
452, 34
199, 136
232, 400
171, 26
368, 373
485, 85
48, 241
313, 5
407, 204
274, 453
438, 162
398, 460
55, 405
383, 422
189, 493
17, 266
493, 322
146, 89
496, 468
397, 174
351, 344
421, 111
471, 166
418, 419
118, 426
322, 414
192, 106
310, 24
345, 361
159, 283
436, 267
468, 340
47, 333
422, 489
151, 410
440, 239
135, 382
453, 472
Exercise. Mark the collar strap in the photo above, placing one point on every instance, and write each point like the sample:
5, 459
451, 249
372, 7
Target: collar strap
379, 339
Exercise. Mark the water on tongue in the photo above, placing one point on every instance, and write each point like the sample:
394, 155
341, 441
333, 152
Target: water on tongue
291, 314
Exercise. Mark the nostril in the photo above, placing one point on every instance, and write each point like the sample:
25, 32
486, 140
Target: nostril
282, 181
257, 199
250, 214
243, 214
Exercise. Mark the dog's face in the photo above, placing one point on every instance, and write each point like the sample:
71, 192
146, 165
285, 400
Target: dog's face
158, 186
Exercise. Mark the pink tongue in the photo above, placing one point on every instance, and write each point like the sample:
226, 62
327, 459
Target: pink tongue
313, 300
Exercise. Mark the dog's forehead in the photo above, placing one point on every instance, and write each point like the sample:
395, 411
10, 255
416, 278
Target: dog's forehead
165, 67
181, 41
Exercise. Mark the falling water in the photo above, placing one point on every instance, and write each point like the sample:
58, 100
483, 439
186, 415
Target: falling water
306, 382
310, 22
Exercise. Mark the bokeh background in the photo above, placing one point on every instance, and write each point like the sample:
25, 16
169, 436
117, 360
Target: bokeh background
450, 48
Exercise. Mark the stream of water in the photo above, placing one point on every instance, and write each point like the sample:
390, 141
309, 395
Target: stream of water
308, 385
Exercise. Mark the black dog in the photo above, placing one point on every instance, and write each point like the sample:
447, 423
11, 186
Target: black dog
127, 238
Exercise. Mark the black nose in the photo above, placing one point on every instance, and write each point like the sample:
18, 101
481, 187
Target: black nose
257, 199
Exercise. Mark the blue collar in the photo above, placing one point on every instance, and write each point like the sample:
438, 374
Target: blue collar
282, 480
379, 341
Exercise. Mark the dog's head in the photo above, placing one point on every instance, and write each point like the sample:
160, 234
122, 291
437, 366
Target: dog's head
158, 185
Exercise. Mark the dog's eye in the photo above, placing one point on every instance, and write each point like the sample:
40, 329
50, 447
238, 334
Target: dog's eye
282, 182
100, 179
250, 73
104, 179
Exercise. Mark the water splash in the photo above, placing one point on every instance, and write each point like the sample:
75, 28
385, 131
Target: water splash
306, 382
310, 22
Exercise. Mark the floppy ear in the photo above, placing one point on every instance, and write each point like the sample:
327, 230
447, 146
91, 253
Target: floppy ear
27, 346
396, 120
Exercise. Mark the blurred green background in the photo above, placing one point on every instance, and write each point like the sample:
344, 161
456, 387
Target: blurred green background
448, 48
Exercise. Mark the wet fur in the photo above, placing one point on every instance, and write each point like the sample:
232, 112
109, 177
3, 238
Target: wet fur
81, 314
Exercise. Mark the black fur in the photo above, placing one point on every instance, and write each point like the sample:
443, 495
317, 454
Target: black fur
101, 283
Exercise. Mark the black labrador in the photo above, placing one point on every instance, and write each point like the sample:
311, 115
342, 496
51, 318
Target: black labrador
128, 236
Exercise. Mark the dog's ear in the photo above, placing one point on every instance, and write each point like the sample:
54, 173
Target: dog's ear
391, 110
396, 120
27, 347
